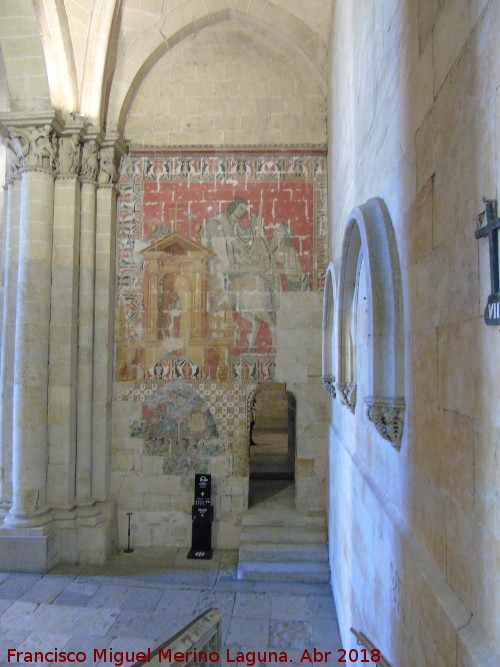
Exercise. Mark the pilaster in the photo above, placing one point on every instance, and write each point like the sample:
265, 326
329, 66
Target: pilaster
85, 383
64, 320
112, 150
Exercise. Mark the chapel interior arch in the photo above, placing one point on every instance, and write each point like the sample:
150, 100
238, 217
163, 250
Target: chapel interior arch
369, 240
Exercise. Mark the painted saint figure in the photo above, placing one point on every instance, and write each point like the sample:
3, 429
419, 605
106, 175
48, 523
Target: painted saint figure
245, 258
169, 303
288, 260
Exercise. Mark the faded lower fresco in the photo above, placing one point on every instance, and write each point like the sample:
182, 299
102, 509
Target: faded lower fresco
176, 414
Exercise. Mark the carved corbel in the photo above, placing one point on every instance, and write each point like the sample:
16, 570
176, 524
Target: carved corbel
388, 417
347, 394
329, 385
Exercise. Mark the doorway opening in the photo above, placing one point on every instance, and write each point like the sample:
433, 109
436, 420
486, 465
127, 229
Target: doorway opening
272, 456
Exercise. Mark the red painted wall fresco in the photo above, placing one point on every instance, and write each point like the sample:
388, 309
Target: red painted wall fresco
207, 243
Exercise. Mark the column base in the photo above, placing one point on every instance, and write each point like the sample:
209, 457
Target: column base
27, 549
73, 536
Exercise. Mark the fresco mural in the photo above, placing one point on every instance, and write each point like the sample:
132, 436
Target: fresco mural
174, 419
207, 244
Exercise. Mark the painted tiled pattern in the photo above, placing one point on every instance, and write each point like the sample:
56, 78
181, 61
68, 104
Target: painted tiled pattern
226, 404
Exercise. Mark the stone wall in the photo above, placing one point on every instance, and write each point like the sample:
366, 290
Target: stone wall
228, 85
218, 255
413, 534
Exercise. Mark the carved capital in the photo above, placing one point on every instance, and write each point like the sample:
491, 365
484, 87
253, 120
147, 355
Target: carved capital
90, 161
108, 174
33, 148
347, 394
388, 416
329, 385
13, 161
69, 155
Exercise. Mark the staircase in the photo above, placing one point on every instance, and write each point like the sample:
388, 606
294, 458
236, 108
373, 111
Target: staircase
279, 543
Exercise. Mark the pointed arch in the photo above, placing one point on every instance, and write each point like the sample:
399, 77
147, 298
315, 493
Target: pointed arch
369, 231
58, 50
329, 339
131, 70
23, 57
99, 51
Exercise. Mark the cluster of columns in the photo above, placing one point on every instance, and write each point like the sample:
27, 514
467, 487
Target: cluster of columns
57, 334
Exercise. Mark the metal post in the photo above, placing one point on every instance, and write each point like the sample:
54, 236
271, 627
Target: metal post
128, 550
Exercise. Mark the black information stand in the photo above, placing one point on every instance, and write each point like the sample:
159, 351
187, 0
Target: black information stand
202, 515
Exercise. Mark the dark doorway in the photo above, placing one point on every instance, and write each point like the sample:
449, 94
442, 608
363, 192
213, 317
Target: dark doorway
272, 457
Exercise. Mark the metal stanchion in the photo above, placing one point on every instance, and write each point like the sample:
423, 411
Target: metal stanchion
128, 550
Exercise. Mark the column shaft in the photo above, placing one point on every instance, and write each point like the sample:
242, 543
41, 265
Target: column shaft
85, 344
32, 348
11, 259
64, 342
103, 344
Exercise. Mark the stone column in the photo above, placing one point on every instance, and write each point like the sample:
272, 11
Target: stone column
111, 151
36, 149
64, 323
11, 258
85, 381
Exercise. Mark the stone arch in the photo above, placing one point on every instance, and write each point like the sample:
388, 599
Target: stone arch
370, 232
59, 57
136, 66
99, 61
329, 352
22, 51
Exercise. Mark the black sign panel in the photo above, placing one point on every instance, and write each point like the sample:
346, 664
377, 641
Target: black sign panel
202, 515
492, 310
202, 489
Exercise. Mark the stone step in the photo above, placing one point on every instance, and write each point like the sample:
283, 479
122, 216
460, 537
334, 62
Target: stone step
267, 551
282, 518
289, 571
283, 534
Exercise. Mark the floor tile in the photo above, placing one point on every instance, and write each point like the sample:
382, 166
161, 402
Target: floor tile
248, 632
252, 605
46, 589
129, 623
289, 635
108, 595
18, 615
14, 586
54, 619
4, 605
141, 599
289, 607
94, 621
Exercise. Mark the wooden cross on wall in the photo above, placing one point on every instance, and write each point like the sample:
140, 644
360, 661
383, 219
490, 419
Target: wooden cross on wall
490, 229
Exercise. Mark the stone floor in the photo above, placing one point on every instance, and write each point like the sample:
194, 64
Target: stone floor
138, 600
